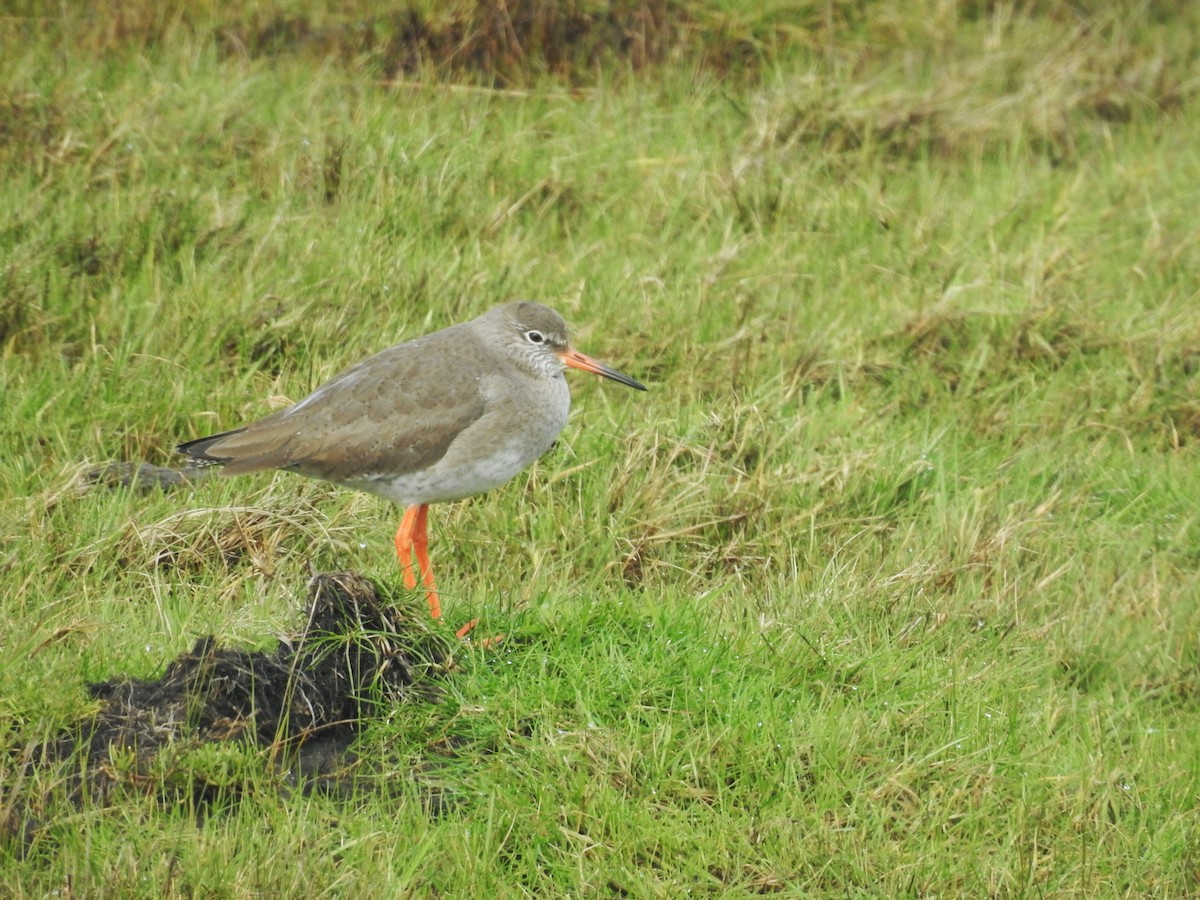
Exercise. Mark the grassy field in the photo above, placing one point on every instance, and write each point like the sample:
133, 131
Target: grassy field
887, 587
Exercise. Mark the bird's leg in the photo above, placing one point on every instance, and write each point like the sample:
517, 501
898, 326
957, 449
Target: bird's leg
412, 537
420, 543
404, 542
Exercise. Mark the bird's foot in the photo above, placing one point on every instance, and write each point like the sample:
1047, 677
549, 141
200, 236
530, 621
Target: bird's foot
463, 634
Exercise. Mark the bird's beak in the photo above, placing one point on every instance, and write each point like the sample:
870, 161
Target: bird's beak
577, 360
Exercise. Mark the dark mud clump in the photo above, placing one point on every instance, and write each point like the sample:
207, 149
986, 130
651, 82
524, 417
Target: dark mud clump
302, 704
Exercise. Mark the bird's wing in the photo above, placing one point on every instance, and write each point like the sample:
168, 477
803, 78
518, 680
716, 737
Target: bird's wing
394, 413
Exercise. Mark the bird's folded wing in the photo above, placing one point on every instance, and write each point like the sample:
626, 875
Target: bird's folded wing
394, 413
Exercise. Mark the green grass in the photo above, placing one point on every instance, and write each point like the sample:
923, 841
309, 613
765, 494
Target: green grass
888, 587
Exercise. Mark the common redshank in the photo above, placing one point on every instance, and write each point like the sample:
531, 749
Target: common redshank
442, 417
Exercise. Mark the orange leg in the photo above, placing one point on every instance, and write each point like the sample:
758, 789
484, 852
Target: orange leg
404, 546
420, 540
413, 537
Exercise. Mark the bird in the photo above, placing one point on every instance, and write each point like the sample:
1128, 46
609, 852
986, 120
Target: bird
442, 417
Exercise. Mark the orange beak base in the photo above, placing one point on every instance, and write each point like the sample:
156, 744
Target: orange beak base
577, 360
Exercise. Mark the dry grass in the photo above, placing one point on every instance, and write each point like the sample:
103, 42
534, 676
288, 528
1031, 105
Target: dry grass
1017, 87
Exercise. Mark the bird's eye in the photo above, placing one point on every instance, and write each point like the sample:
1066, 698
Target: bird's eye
535, 337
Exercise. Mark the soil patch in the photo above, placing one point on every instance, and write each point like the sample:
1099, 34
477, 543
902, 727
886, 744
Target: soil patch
304, 702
